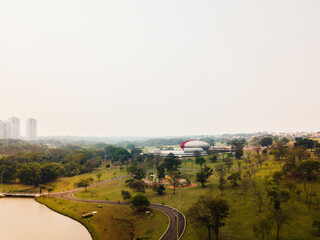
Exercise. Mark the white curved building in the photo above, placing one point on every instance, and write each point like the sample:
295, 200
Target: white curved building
188, 149
192, 144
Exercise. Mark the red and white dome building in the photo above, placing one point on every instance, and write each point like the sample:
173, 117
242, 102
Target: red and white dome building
188, 149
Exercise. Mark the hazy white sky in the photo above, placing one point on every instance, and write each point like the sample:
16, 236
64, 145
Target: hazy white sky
108, 68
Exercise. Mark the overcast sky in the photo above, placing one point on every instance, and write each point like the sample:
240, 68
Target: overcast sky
154, 68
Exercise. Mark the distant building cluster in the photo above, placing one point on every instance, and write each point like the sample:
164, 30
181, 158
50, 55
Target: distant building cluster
188, 148
10, 129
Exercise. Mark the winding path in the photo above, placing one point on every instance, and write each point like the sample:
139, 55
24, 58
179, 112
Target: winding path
177, 221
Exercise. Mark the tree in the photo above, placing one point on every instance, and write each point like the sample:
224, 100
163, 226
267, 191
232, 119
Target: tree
228, 162
221, 187
255, 143
125, 194
136, 154
199, 214
233, 178
138, 172
280, 217
245, 182
214, 159
210, 213
159, 188
316, 224
277, 177
200, 161
121, 155
204, 175
279, 150
266, 142
262, 227
50, 171
109, 151
258, 194
131, 146
219, 209
237, 147
139, 201
160, 172
171, 163
98, 175
221, 171
310, 168
277, 197
301, 153
29, 173
306, 142
137, 185
157, 159
84, 182
175, 176
50, 189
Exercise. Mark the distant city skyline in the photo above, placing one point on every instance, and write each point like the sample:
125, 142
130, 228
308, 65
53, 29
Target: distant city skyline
11, 129
148, 68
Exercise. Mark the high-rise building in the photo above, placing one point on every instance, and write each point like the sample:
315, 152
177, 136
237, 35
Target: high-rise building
14, 128
31, 129
7, 130
2, 130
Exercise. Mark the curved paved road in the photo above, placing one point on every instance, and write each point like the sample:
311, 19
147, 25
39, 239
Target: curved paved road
177, 223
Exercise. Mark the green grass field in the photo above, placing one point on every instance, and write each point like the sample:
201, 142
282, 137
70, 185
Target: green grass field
111, 221
67, 183
243, 211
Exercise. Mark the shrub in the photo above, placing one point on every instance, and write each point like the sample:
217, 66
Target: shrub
125, 194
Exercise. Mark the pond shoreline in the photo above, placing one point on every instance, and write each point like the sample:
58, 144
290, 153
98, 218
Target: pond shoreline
91, 231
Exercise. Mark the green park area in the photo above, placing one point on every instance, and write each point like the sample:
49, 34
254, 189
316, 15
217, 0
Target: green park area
243, 200
269, 189
111, 221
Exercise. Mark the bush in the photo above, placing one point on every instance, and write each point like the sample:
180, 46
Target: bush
125, 194
159, 188
214, 159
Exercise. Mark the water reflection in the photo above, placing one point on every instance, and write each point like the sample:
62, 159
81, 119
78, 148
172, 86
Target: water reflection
25, 219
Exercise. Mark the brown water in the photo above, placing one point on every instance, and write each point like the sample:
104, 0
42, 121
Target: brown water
25, 219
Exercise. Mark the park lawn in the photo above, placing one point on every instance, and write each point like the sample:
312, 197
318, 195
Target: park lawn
189, 163
67, 183
7, 187
111, 221
243, 208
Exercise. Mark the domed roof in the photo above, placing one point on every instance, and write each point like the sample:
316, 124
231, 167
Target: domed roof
195, 144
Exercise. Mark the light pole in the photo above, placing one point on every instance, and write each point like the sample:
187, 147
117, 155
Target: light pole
1, 179
177, 211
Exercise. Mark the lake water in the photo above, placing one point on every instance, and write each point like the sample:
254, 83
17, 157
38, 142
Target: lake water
25, 219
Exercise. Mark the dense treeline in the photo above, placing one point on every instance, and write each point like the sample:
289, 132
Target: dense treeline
34, 163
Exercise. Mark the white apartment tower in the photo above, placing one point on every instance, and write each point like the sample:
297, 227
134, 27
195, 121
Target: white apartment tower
13, 128
2, 130
31, 129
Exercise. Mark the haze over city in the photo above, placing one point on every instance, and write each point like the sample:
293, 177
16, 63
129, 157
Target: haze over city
160, 68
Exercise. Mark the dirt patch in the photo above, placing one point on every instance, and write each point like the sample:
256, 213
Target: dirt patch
191, 185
